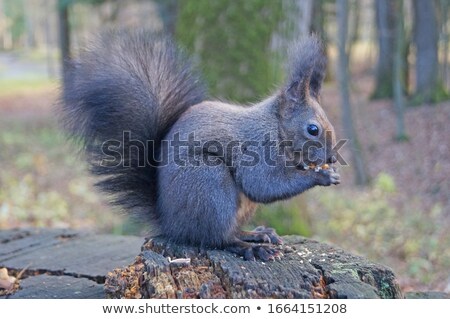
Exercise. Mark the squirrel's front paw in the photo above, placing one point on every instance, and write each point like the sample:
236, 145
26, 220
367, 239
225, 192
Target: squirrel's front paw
327, 176
335, 178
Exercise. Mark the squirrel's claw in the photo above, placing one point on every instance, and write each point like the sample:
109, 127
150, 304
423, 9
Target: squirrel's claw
261, 234
326, 177
254, 251
335, 178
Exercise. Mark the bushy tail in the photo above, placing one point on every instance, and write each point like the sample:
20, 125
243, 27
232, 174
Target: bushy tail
120, 97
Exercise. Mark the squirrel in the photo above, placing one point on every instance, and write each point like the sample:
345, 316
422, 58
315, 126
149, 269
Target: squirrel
198, 168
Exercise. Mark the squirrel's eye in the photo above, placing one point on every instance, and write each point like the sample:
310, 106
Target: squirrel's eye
313, 129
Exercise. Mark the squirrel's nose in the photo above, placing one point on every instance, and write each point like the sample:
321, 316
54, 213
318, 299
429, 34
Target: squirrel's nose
332, 159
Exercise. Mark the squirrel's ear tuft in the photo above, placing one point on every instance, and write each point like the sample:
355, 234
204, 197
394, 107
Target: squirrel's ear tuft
306, 68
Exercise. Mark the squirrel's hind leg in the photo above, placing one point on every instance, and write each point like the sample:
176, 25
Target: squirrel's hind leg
251, 251
261, 234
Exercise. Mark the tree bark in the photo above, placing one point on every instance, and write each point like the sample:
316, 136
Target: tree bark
385, 21
305, 20
30, 27
168, 11
398, 79
355, 20
444, 35
426, 42
318, 19
51, 67
306, 269
64, 36
361, 177
319, 27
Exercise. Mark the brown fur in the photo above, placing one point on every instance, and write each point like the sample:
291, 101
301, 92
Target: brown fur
246, 210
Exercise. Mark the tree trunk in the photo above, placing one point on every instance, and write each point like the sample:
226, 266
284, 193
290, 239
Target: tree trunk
319, 27
355, 19
168, 11
444, 7
30, 27
51, 68
385, 18
64, 36
361, 177
305, 20
2, 30
318, 19
398, 79
296, 23
426, 41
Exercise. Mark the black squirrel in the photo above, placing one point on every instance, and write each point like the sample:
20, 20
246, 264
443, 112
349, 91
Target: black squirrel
199, 168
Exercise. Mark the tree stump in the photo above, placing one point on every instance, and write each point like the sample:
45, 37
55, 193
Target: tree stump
62, 263
307, 269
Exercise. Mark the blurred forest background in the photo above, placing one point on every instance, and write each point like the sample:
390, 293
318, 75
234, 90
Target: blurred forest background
386, 91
